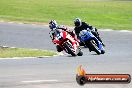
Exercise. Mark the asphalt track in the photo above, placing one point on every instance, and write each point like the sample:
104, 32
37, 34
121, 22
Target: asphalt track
60, 71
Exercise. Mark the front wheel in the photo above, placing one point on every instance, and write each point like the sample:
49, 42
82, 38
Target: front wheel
102, 51
94, 46
68, 48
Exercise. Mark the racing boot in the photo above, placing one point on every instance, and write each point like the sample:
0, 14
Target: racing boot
59, 49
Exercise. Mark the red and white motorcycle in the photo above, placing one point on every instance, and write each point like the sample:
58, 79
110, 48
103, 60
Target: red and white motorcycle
67, 43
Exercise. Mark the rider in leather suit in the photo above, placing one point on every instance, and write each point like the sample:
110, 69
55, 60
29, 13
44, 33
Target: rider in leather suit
79, 26
55, 28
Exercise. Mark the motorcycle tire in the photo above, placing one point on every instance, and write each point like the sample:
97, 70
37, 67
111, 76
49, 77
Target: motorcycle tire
69, 49
102, 51
94, 46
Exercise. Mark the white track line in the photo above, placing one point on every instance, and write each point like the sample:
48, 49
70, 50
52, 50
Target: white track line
105, 30
39, 81
125, 31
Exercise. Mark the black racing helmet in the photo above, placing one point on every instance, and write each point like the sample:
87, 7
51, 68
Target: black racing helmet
77, 22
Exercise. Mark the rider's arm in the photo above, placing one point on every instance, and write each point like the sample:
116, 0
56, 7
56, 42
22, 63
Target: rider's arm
62, 27
86, 26
76, 31
89, 27
51, 35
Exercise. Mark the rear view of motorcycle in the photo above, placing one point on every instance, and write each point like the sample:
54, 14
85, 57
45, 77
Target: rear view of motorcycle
91, 42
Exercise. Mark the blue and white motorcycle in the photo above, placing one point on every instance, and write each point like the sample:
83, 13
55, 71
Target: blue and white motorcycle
91, 42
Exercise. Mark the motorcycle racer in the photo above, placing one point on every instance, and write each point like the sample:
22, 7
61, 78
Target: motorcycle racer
79, 26
55, 29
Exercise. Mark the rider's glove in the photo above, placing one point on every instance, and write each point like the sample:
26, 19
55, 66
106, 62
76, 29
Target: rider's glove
89, 30
93, 29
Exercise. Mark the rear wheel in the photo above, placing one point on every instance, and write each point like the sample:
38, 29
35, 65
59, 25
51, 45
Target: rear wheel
68, 48
94, 46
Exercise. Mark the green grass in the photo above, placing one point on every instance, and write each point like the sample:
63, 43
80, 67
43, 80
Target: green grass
101, 14
23, 52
